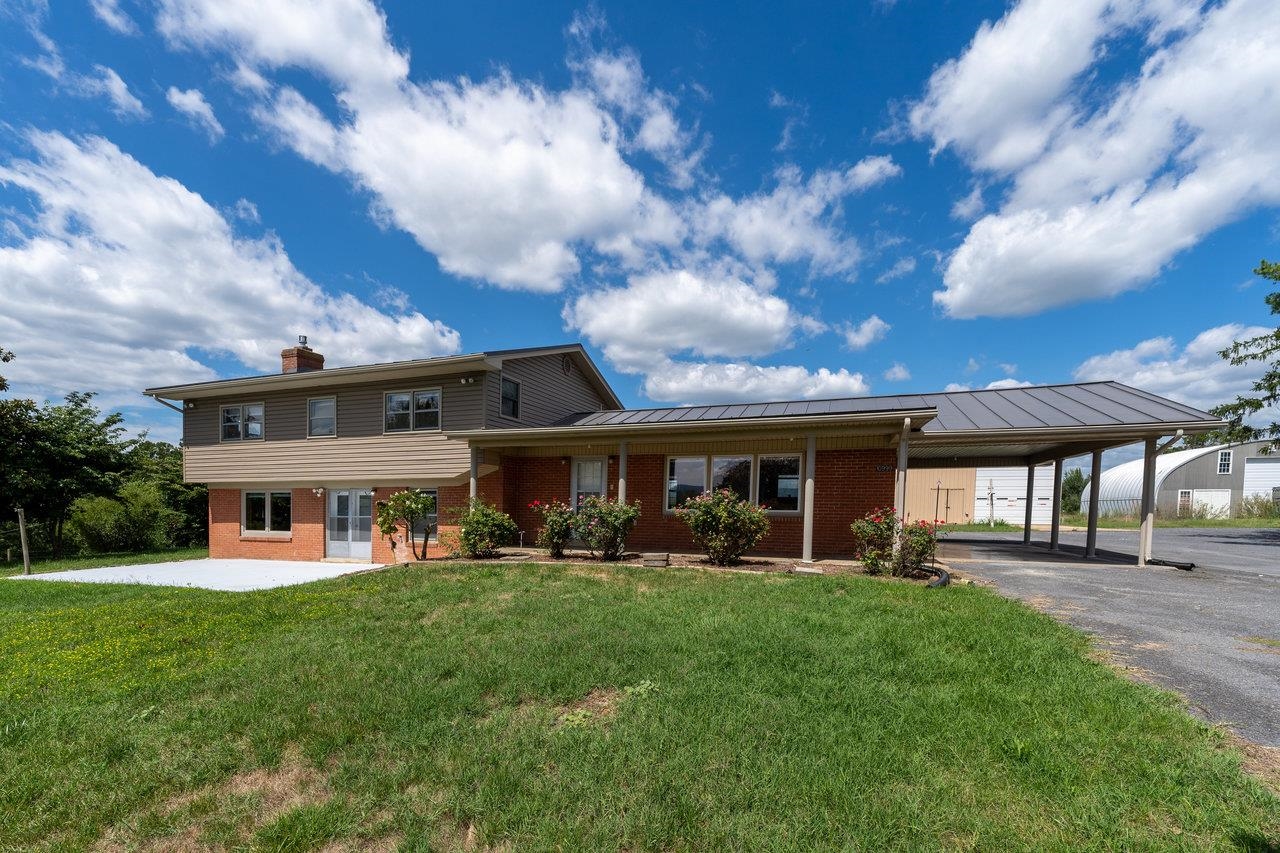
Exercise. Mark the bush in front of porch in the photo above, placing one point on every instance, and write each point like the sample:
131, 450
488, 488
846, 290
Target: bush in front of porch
724, 525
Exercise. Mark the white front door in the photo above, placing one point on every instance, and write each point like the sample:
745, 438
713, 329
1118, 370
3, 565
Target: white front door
349, 526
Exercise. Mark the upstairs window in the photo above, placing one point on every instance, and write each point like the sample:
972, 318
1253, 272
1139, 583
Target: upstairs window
242, 423
426, 410
322, 417
411, 410
1224, 461
510, 398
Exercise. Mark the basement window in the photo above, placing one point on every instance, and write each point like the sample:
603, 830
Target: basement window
267, 512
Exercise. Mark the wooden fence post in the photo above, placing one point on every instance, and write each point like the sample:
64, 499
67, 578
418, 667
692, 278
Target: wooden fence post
22, 535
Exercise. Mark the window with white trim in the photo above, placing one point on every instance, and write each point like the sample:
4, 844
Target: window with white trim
510, 398
1184, 502
322, 417
241, 423
778, 483
267, 512
588, 479
1224, 461
686, 478
732, 473
411, 410
428, 525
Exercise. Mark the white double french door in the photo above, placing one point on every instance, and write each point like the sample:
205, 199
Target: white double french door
349, 526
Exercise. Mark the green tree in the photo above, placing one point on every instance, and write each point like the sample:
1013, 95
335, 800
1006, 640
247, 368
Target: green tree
1265, 392
5, 358
1073, 483
408, 508
159, 464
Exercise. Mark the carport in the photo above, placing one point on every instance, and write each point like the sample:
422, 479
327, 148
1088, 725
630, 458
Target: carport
1051, 423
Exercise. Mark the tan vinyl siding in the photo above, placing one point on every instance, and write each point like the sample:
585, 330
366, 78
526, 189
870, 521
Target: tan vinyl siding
546, 393
360, 412
923, 498
402, 458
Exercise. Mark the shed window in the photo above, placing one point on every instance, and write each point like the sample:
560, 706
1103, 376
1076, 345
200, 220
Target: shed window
1184, 502
268, 512
426, 410
242, 423
510, 398
1224, 461
322, 417
779, 483
732, 473
686, 478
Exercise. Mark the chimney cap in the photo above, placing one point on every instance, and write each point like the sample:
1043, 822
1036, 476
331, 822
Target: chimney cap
302, 340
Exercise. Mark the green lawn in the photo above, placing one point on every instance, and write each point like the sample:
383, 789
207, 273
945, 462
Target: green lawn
131, 559
1121, 523
518, 708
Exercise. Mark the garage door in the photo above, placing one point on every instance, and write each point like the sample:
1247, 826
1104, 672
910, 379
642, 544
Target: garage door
1215, 503
1261, 476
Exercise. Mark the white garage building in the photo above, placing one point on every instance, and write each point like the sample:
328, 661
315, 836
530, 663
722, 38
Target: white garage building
1208, 480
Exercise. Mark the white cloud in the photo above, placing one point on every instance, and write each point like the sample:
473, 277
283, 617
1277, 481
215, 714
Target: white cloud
125, 268
970, 207
1009, 369
903, 266
870, 171
1008, 382
191, 103
897, 373
661, 314
684, 382
953, 387
865, 333
1195, 374
108, 84
247, 210
1104, 197
972, 365
109, 12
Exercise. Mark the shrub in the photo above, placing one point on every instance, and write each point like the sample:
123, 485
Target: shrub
557, 525
917, 546
137, 519
604, 525
483, 529
1259, 506
408, 508
724, 525
873, 537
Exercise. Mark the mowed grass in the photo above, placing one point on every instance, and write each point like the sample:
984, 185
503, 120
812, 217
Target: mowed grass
519, 707
99, 560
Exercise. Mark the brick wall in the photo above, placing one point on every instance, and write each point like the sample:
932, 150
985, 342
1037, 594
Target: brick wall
305, 540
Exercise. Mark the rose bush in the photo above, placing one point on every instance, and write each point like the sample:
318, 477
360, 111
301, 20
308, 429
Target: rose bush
724, 525
604, 525
557, 525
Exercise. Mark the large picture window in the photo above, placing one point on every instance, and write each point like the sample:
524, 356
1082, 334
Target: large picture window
268, 512
732, 473
778, 487
322, 417
243, 422
686, 478
411, 410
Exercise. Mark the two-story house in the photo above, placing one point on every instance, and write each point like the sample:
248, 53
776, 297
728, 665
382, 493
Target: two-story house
296, 461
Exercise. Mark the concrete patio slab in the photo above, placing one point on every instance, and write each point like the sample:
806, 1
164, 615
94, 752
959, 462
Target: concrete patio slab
224, 575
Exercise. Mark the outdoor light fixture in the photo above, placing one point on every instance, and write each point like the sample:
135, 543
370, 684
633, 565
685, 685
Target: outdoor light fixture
318, 491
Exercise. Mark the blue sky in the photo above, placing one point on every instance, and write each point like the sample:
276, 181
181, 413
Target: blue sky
722, 201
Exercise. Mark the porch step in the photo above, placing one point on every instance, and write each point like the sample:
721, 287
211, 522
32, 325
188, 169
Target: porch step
655, 560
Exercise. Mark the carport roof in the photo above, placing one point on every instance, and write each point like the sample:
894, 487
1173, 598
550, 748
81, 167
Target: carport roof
999, 426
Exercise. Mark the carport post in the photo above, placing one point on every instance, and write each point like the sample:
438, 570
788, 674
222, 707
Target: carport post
1148, 501
622, 472
810, 465
1031, 495
475, 471
1056, 524
1095, 479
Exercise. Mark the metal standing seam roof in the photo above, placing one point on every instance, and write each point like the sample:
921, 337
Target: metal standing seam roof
1088, 404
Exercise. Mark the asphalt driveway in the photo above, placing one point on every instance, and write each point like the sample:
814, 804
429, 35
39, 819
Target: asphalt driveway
1211, 634
226, 575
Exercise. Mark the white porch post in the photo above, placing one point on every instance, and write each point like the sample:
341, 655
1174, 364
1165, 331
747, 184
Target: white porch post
810, 464
622, 472
1095, 478
1031, 496
475, 472
900, 476
1056, 509
1148, 501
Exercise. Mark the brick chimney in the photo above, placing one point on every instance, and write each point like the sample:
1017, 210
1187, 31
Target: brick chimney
301, 358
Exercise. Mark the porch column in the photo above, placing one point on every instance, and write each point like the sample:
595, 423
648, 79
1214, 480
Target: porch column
622, 472
900, 477
810, 464
1056, 509
1148, 501
1095, 478
475, 471
1031, 496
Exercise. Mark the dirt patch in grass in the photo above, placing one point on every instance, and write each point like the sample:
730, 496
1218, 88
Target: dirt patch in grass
467, 838
1261, 762
383, 844
229, 811
599, 704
